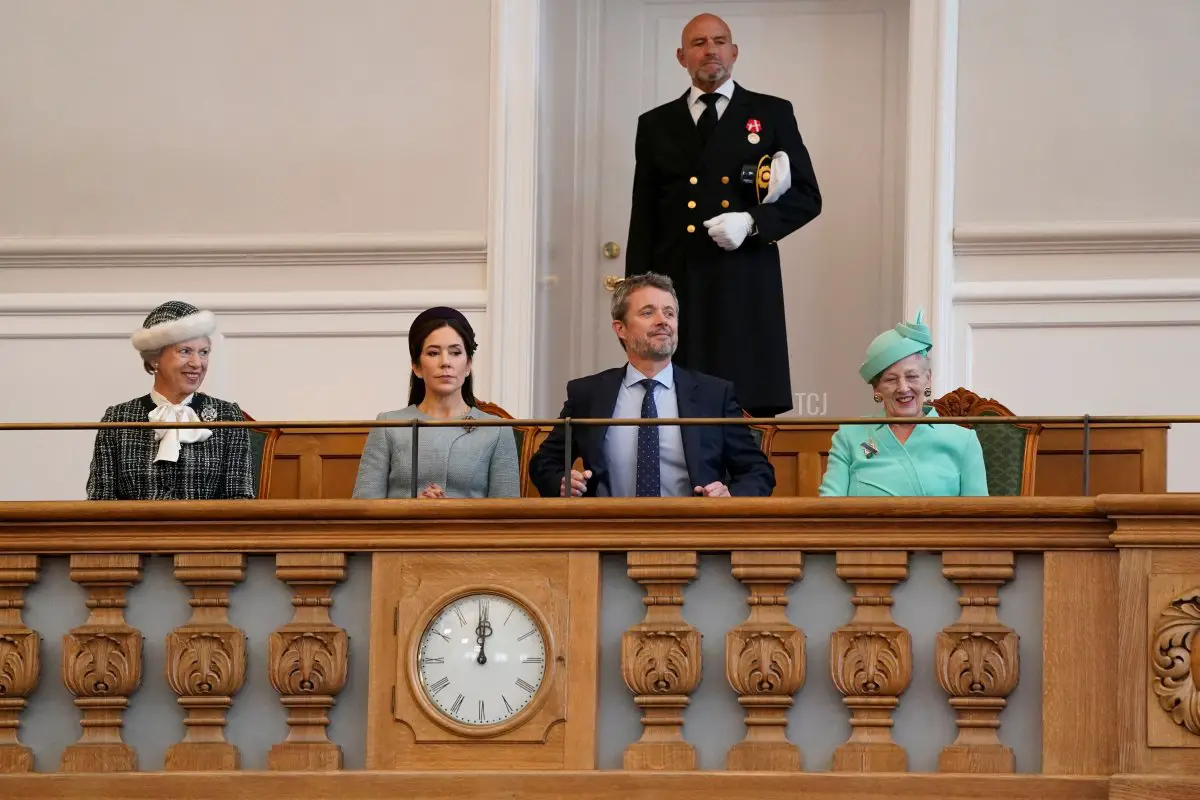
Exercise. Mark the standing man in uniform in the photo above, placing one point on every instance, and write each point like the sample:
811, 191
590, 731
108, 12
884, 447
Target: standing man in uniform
722, 175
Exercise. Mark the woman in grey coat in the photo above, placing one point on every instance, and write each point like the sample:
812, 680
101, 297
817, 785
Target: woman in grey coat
466, 461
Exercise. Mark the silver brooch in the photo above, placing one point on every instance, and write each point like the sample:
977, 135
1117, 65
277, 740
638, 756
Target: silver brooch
208, 413
869, 449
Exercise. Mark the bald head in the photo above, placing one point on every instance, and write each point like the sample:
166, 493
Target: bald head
706, 22
707, 51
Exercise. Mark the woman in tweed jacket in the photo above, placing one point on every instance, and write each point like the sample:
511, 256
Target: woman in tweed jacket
173, 463
465, 461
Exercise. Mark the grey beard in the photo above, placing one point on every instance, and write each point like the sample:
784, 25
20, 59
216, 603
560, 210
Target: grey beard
644, 348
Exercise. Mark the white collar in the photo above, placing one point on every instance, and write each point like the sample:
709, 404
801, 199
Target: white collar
160, 401
170, 440
666, 377
725, 89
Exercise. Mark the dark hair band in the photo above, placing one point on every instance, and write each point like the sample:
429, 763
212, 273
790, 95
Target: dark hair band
441, 312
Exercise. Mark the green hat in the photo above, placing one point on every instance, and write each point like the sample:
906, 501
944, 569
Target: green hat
891, 346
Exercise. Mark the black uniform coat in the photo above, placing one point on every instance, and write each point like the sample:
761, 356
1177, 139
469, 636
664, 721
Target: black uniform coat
731, 315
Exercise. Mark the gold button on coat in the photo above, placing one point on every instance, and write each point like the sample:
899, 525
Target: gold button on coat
691, 203
723, 180
696, 180
724, 204
691, 228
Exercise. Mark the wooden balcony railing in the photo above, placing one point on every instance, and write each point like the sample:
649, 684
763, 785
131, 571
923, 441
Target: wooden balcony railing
910, 645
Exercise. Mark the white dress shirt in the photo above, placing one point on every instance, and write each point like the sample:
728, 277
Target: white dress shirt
696, 105
620, 442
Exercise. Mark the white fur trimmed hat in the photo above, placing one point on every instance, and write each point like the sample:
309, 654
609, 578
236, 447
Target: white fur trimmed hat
171, 323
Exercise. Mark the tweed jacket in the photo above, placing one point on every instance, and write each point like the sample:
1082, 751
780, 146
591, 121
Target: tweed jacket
465, 462
123, 465
936, 461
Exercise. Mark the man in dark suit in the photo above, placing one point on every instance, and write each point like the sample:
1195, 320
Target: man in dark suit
652, 461
708, 213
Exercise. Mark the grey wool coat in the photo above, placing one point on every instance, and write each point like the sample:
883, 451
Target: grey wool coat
465, 462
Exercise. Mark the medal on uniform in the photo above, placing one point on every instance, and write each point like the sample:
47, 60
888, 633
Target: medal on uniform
754, 127
208, 413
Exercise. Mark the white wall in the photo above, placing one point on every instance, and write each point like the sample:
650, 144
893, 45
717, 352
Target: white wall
315, 172
1077, 220
169, 117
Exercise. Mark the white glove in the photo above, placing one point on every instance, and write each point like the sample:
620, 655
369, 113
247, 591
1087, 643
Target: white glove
729, 230
781, 177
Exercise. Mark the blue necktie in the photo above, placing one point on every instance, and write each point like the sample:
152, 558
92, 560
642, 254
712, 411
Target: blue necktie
649, 467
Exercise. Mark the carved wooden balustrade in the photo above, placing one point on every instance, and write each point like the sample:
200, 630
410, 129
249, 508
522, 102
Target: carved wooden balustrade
1119, 656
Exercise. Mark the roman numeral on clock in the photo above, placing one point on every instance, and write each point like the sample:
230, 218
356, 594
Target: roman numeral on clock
437, 687
481, 716
522, 684
457, 705
507, 707
438, 660
532, 660
525, 636
462, 618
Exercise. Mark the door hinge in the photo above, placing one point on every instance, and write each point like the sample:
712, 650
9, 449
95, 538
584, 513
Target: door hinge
393, 701
396, 619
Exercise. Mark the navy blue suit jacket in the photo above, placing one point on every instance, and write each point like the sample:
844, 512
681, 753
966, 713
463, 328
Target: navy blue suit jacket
725, 453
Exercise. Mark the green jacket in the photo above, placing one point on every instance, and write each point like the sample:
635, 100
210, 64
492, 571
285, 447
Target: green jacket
936, 461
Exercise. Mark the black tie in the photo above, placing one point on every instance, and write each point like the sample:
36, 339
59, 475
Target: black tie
708, 119
649, 466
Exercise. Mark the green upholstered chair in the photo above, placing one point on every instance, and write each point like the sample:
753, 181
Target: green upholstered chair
262, 452
1009, 451
763, 434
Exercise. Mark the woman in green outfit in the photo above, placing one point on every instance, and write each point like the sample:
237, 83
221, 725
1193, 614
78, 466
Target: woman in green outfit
901, 460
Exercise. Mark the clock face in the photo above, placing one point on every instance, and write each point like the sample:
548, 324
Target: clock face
481, 659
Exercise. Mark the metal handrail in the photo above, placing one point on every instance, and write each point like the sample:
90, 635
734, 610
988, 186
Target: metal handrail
1086, 420
791, 422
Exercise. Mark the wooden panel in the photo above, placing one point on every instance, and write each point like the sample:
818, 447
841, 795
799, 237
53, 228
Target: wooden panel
563, 592
1133, 580
1149, 579
554, 786
1154, 787
1173, 574
323, 462
284, 482
316, 463
1164, 587
338, 475
1126, 459
1079, 664
799, 456
583, 689
1024, 524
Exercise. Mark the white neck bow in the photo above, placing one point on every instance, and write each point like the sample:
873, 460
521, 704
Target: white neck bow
169, 439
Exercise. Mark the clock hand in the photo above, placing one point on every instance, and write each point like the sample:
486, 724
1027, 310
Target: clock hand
482, 631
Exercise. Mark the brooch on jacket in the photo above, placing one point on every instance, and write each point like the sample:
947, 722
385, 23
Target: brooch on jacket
208, 413
869, 449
